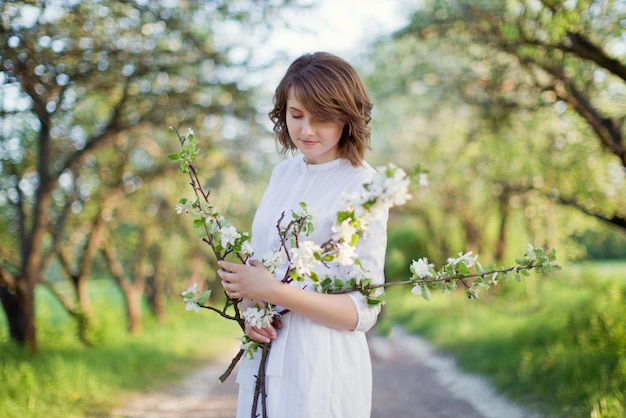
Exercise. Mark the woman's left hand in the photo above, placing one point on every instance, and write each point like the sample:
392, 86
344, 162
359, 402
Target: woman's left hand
251, 281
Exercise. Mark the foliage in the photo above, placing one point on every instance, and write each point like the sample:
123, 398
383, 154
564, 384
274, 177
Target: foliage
472, 92
602, 243
87, 86
555, 345
67, 379
545, 55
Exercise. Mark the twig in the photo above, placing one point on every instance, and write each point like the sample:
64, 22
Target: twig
259, 388
231, 367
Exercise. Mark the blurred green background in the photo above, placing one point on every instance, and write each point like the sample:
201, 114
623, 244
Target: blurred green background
515, 109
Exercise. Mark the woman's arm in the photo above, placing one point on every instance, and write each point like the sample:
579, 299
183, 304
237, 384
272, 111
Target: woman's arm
255, 282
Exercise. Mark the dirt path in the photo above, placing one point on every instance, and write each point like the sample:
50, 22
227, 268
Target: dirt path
410, 380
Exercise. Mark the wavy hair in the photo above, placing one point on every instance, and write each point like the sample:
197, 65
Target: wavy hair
330, 89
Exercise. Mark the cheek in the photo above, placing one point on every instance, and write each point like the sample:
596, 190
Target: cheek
292, 127
337, 133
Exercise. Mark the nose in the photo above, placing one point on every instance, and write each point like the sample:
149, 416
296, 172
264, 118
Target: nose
307, 127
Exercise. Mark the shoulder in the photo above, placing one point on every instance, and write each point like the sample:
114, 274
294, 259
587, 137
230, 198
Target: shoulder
364, 173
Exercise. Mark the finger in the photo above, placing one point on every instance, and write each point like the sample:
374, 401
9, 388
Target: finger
228, 266
255, 263
230, 291
223, 274
268, 331
257, 335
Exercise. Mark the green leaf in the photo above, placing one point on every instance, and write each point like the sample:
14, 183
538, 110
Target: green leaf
355, 240
174, 157
462, 268
204, 296
342, 216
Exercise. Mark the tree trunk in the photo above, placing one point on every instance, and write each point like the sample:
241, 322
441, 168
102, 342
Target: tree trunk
133, 306
132, 291
157, 289
19, 305
504, 209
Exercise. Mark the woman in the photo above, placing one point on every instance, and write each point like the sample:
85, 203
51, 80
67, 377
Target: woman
319, 364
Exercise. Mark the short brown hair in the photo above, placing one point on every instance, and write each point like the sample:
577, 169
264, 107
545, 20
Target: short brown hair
329, 88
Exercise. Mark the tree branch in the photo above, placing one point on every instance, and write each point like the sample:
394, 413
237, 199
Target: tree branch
7, 278
114, 126
582, 47
614, 220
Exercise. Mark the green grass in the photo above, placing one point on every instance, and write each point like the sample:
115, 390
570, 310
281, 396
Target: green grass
66, 379
557, 345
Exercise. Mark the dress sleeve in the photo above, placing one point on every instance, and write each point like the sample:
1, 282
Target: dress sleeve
371, 252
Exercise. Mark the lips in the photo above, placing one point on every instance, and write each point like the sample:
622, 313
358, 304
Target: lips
308, 143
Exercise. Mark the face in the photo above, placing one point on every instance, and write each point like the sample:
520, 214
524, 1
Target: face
317, 140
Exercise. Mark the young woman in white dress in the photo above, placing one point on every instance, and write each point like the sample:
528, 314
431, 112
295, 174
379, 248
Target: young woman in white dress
319, 363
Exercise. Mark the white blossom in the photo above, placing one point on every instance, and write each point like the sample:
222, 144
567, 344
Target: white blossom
228, 236
530, 252
249, 346
346, 254
357, 273
259, 317
246, 249
422, 179
391, 186
193, 304
303, 211
421, 268
190, 132
190, 297
303, 258
190, 293
417, 290
344, 231
466, 258
354, 202
274, 260
184, 206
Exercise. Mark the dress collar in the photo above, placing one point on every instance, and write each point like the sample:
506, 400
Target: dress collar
323, 166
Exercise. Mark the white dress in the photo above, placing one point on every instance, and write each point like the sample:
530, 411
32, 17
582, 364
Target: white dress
314, 370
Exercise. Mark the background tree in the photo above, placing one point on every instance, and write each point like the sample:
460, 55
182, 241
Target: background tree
479, 104
529, 55
79, 77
